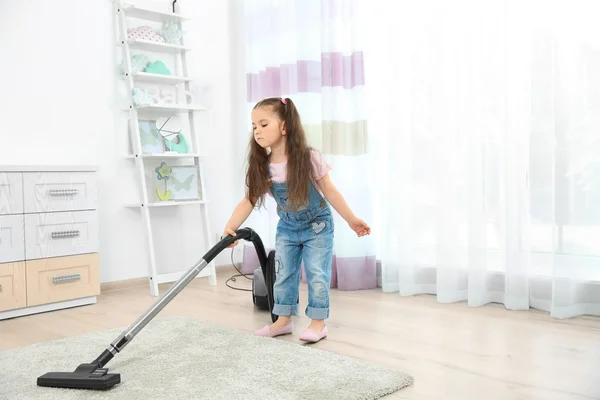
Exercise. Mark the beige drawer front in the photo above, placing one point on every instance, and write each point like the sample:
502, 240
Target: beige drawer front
12, 238
11, 193
61, 234
62, 278
13, 288
59, 191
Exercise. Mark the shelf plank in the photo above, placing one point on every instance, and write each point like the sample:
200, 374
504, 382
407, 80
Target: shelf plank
167, 155
149, 45
159, 79
170, 109
151, 15
171, 203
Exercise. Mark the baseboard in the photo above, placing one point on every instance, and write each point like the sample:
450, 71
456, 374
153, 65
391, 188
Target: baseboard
124, 284
143, 281
59, 305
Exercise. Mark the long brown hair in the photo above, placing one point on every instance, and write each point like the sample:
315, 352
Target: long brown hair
299, 167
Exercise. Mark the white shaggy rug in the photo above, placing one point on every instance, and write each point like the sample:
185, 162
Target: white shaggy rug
183, 358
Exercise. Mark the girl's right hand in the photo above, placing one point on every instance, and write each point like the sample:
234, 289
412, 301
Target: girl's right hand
231, 232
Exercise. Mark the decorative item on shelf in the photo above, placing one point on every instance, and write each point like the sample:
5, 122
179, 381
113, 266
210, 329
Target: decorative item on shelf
170, 129
162, 135
151, 140
175, 183
171, 32
141, 63
152, 96
157, 67
166, 97
180, 147
183, 183
141, 97
144, 32
163, 173
138, 63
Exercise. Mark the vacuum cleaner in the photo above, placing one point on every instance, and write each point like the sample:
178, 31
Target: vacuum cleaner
263, 280
94, 375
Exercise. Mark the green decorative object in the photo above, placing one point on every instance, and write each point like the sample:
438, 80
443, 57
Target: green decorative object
181, 147
163, 172
157, 67
164, 196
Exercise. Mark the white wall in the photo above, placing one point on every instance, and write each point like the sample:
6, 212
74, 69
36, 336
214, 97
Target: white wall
58, 105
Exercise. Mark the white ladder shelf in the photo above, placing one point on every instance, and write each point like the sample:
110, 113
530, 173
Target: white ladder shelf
122, 13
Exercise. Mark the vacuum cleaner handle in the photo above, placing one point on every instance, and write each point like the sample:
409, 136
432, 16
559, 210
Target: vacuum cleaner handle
245, 234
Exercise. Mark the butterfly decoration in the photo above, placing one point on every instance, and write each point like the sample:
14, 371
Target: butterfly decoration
148, 136
187, 184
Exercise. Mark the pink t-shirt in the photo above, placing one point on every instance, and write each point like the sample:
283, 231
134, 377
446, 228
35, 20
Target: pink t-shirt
320, 168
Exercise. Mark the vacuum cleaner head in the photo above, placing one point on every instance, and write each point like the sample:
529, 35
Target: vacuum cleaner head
86, 376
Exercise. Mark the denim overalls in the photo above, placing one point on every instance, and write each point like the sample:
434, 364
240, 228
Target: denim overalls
305, 234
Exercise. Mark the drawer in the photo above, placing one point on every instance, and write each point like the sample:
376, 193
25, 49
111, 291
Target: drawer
12, 238
62, 278
13, 288
61, 234
59, 191
11, 193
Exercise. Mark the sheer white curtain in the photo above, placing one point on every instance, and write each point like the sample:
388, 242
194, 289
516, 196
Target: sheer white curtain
485, 119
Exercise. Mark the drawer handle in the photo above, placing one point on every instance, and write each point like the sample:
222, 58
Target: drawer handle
64, 234
63, 192
66, 278
0, 288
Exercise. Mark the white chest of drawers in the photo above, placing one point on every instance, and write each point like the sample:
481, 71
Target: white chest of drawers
48, 238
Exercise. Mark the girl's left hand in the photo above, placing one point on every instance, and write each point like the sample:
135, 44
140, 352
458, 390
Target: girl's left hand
359, 226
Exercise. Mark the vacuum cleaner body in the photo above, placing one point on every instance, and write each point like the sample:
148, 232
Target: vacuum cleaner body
262, 285
93, 375
259, 290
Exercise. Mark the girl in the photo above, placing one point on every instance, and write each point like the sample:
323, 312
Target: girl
281, 164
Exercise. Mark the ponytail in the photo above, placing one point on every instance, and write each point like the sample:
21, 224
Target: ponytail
291, 116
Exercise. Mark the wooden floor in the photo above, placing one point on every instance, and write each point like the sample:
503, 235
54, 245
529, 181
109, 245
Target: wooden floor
453, 352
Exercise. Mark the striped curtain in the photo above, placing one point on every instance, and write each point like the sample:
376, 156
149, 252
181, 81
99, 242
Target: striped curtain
310, 51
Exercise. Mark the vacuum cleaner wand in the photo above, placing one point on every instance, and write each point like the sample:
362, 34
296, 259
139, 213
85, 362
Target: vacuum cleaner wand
93, 375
